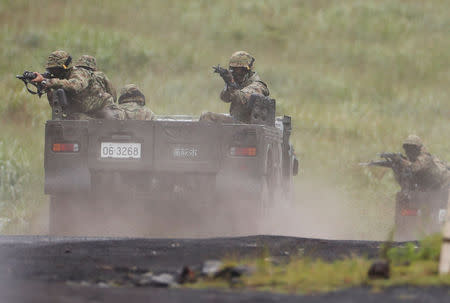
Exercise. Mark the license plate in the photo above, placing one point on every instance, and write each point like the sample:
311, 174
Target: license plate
116, 150
185, 152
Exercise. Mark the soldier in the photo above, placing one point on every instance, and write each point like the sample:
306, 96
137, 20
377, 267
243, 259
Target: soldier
132, 102
86, 101
241, 81
90, 63
427, 172
418, 171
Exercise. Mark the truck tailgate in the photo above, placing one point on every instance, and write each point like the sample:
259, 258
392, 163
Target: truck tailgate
169, 146
120, 145
187, 146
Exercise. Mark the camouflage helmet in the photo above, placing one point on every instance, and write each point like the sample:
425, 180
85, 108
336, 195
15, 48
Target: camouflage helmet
242, 59
59, 58
413, 140
87, 61
131, 93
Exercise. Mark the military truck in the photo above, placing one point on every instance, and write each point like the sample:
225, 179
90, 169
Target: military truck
152, 171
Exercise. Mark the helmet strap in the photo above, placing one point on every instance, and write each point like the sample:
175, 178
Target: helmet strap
67, 62
251, 63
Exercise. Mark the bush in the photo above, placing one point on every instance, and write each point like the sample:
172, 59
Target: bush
429, 249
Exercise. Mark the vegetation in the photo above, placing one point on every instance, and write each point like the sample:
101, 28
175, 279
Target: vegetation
357, 77
410, 265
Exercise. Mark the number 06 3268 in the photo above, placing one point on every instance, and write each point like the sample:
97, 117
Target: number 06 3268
118, 150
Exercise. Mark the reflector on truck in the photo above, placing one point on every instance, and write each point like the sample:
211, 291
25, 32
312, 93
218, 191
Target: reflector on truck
243, 151
410, 212
65, 147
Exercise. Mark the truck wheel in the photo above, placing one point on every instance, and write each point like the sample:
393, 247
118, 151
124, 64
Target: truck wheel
57, 215
65, 216
265, 204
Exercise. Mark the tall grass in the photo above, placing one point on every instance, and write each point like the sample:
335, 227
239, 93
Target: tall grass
357, 76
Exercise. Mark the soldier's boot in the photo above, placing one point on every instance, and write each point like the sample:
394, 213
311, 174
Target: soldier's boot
217, 118
79, 116
112, 112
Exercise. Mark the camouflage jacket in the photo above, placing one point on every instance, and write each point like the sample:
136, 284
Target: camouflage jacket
239, 97
106, 83
427, 172
86, 93
135, 111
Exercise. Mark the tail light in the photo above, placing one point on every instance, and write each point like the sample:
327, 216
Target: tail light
243, 151
65, 147
410, 212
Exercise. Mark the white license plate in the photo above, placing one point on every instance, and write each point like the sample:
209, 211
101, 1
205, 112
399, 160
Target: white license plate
116, 150
185, 152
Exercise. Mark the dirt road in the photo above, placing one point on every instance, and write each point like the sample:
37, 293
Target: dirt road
49, 269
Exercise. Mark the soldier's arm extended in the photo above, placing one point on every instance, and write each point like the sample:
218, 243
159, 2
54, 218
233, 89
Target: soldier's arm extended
377, 163
242, 95
79, 80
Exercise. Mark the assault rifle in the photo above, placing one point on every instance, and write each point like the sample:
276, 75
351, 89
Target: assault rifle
27, 78
226, 76
389, 160
58, 101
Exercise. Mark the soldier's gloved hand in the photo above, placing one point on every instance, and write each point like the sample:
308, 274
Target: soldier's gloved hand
396, 157
39, 78
228, 77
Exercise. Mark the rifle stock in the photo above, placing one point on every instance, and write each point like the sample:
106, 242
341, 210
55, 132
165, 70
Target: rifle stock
59, 105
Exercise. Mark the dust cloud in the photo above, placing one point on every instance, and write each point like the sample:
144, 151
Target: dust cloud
318, 211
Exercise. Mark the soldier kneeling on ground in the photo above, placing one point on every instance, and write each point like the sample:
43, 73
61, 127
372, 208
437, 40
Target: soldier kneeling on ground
86, 100
241, 81
420, 170
132, 102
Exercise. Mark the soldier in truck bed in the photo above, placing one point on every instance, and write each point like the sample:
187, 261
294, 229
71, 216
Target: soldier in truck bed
245, 83
90, 63
86, 100
132, 102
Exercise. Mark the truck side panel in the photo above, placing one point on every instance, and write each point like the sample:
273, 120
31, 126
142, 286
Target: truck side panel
241, 172
66, 171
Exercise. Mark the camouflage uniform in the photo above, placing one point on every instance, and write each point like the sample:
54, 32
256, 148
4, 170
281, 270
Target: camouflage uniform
132, 102
85, 98
238, 97
102, 93
90, 63
426, 172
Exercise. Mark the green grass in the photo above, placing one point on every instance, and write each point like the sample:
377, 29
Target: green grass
357, 77
409, 266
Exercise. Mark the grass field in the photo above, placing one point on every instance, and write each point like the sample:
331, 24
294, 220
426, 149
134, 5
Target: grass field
357, 77
409, 265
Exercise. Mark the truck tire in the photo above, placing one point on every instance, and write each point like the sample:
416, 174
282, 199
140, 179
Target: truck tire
269, 184
58, 215
66, 214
